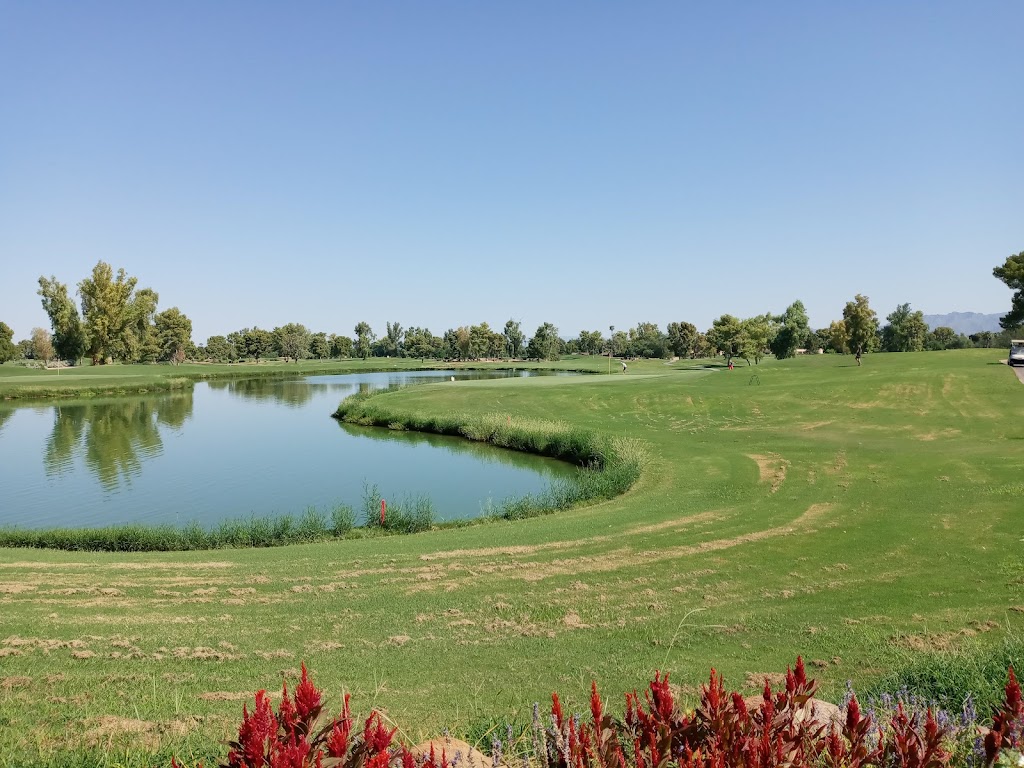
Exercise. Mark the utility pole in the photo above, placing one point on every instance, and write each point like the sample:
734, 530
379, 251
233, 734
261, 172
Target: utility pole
611, 332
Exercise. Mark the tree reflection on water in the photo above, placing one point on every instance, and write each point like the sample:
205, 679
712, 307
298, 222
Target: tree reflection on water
116, 436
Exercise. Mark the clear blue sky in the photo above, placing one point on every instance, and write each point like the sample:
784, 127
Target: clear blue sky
446, 163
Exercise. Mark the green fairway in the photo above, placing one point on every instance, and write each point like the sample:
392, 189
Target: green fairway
807, 506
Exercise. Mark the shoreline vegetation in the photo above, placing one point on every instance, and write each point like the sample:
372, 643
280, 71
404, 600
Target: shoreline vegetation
606, 467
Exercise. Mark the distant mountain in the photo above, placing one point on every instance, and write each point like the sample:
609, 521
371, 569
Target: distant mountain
965, 322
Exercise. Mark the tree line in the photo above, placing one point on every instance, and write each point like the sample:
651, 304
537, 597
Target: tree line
118, 322
115, 321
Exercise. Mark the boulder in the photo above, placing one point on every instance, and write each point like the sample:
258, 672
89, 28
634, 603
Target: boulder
821, 711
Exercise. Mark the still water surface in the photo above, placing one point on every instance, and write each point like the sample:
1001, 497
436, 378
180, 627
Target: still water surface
237, 448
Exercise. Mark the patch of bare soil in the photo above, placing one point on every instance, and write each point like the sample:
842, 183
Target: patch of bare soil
943, 641
838, 464
523, 549
15, 681
226, 696
679, 523
109, 729
620, 558
772, 469
757, 679
16, 588
815, 424
572, 620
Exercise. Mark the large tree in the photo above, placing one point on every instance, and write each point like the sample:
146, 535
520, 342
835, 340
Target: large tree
107, 311
545, 344
421, 343
391, 344
364, 339
906, 330
173, 332
341, 346
479, 340
835, 337
758, 334
514, 338
319, 346
727, 335
221, 349
292, 341
1012, 273
8, 349
793, 331
69, 334
590, 342
861, 325
140, 342
42, 345
256, 343
682, 338
647, 340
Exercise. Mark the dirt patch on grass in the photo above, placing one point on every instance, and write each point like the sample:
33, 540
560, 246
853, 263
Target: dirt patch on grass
167, 566
15, 681
572, 620
937, 434
771, 468
226, 696
110, 729
679, 523
16, 588
625, 557
839, 464
943, 641
522, 549
757, 680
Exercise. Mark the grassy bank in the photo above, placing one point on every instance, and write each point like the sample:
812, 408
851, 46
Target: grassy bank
607, 466
859, 516
18, 382
22, 383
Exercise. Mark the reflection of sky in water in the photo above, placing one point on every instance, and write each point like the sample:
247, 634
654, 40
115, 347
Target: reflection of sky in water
236, 448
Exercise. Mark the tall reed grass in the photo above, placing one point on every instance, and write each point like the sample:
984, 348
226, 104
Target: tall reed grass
268, 531
950, 677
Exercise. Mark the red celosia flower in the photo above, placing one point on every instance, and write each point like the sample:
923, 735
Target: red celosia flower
341, 730
1005, 730
255, 736
376, 736
286, 714
307, 699
556, 710
660, 700
595, 705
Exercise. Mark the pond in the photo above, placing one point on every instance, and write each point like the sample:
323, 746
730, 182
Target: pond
232, 449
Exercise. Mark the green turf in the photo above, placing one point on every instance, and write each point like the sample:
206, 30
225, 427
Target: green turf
853, 515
